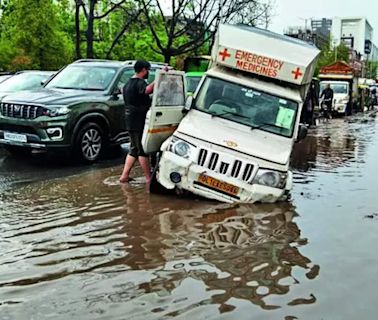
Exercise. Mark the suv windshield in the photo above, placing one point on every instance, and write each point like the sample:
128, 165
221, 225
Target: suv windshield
23, 81
247, 106
82, 77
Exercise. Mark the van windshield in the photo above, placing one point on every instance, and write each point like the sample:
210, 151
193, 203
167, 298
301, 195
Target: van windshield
248, 106
336, 87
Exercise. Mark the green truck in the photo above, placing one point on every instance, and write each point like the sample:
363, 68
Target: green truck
80, 110
195, 68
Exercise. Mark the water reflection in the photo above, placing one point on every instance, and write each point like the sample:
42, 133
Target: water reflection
338, 148
100, 244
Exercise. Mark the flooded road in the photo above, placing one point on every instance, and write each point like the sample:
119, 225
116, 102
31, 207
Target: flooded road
83, 247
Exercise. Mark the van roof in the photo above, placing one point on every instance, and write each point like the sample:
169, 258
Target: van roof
265, 53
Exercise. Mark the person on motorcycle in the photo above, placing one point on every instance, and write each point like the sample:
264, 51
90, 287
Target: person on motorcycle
327, 96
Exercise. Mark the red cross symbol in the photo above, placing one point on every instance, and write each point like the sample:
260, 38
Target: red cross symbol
297, 73
224, 54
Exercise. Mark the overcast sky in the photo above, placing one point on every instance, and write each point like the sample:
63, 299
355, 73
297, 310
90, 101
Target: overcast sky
294, 12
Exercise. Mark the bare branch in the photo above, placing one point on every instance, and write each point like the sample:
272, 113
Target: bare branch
113, 8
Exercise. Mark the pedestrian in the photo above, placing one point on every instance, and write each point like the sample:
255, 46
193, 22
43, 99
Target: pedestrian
327, 95
374, 98
136, 94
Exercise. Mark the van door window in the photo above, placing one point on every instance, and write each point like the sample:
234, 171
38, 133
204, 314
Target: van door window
171, 91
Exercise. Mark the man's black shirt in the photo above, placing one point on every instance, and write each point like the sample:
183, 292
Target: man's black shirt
137, 103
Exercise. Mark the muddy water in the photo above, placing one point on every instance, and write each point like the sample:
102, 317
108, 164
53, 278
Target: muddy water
84, 247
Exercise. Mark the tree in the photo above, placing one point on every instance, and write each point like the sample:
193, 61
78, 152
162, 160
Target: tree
330, 54
33, 32
193, 23
95, 11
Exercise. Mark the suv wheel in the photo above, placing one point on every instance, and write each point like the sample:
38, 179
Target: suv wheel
89, 142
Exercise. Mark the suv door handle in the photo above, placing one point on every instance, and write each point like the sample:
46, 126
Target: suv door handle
159, 114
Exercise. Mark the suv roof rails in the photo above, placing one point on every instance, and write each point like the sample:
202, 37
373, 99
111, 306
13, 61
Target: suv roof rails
132, 62
94, 60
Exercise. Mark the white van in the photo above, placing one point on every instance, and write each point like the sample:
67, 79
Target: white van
341, 94
233, 140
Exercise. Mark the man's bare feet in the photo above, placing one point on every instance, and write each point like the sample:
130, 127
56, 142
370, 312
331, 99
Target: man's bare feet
125, 179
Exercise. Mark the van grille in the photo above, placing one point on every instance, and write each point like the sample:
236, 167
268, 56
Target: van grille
235, 168
23, 111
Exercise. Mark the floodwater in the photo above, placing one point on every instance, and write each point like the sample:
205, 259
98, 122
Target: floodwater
77, 245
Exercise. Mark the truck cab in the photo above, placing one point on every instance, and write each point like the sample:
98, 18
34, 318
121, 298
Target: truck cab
344, 82
234, 139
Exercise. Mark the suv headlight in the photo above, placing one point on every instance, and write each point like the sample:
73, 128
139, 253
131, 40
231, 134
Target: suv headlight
55, 111
180, 147
270, 178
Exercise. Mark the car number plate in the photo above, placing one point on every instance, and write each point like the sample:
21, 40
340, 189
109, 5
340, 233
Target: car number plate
218, 185
15, 137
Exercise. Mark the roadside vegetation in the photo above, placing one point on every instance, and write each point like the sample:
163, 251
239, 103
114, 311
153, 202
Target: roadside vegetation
48, 34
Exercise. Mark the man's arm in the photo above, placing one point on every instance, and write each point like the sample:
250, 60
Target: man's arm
150, 88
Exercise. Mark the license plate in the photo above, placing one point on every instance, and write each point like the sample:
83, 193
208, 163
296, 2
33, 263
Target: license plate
218, 185
15, 137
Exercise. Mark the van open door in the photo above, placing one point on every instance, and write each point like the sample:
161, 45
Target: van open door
166, 110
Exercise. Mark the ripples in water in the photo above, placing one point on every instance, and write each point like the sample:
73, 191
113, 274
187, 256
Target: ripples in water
84, 246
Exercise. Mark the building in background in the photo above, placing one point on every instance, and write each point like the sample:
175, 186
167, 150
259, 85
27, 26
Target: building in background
354, 32
307, 34
357, 34
322, 27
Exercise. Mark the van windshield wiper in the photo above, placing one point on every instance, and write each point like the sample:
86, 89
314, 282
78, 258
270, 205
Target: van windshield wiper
229, 112
91, 89
68, 88
266, 124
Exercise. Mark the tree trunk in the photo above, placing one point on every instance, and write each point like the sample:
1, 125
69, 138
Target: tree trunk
77, 30
90, 27
167, 56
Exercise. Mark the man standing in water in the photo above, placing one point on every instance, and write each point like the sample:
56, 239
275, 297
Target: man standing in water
137, 101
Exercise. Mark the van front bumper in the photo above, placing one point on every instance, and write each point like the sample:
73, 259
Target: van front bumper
189, 173
340, 107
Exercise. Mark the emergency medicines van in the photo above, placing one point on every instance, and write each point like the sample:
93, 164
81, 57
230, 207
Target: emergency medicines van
233, 140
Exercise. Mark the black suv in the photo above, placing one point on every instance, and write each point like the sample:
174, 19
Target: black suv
80, 110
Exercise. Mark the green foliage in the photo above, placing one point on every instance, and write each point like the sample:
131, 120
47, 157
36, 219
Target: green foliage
41, 34
372, 69
329, 55
33, 37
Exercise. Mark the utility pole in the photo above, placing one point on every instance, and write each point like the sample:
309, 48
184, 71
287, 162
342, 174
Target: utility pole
335, 48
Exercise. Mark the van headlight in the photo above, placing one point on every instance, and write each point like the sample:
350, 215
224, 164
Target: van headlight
180, 147
270, 178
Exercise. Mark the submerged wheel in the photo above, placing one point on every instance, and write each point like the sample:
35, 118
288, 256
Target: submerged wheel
155, 186
89, 142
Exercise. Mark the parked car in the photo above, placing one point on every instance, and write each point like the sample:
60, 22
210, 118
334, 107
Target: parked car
79, 110
24, 80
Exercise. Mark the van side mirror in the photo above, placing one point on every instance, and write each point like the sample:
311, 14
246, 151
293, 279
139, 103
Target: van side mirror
302, 132
117, 91
188, 103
